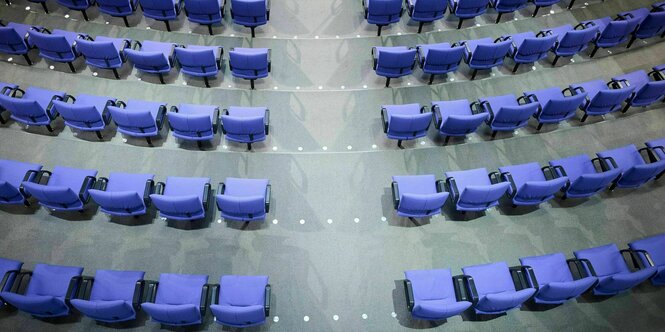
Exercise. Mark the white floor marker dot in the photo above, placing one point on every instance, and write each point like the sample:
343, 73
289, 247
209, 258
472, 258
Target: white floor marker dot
408, 83
320, 87
297, 88
356, 220
364, 316
302, 221
374, 146
295, 37
233, 35
51, 67
572, 60
325, 148
275, 221
10, 59
357, 36
335, 317
393, 314
399, 33
422, 143
300, 148
533, 68
329, 221
139, 78
439, 30
147, 28
27, 8
124, 140
337, 36
452, 79
229, 85
275, 319
94, 74
275, 88
184, 83
274, 148
225, 147
106, 22
67, 16
219, 221
384, 218
365, 86
343, 87
306, 318
551, 11
477, 24
349, 147
316, 37
273, 37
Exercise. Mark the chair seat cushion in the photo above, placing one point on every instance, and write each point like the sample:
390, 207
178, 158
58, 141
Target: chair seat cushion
173, 314
558, 291
41, 306
439, 309
500, 302
111, 311
238, 315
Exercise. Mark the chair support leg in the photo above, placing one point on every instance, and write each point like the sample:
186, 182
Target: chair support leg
473, 76
26, 203
388, 82
613, 186
253, 34
378, 32
168, 26
49, 128
99, 135
570, 5
399, 144
115, 73
251, 83
124, 18
445, 141
44, 6
210, 29
662, 35
498, 18
205, 79
632, 40
420, 26
535, 12
199, 144
2, 120
595, 49
517, 65
85, 15
625, 108
431, 79
161, 78
8, 3
459, 25
556, 58
584, 117
249, 146
149, 140
27, 59
71, 67
494, 134
540, 126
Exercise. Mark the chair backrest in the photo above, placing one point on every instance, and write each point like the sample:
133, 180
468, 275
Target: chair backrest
243, 125
649, 93
51, 280
575, 40
180, 289
53, 195
27, 110
241, 204
78, 115
617, 31
654, 245
462, 124
203, 10
192, 125
471, 7
409, 124
491, 278
514, 114
607, 100
549, 268
245, 61
158, 8
53, 47
242, 290
249, 12
115, 6
538, 190
197, 61
178, 206
429, 9
488, 54
102, 54
482, 195
652, 25
592, 182
121, 202
559, 108
7, 265
111, 285
436, 284
11, 42
535, 49
395, 62
444, 59
606, 260
509, 5
137, 121
383, 11
422, 202
148, 61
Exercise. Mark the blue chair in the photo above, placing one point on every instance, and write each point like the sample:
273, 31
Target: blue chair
530, 184
433, 294
6, 89
439, 59
393, 62
56, 45
651, 251
425, 11
14, 39
544, 3
104, 52
584, 178
177, 299
485, 53
495, 288
611, 32
80, 5
382, 12
246, 124
602, 98
417, 196
206, 12
161, 10
87, 113
249, 63
124, 194
139, 118
506, 6
200, 61
152, 57
111, 296
457, 117
528, 47
507, 113
65, 189
645, 91
118, 8
12, 175
9, 268
194, 122
182, 198
241, 301
244, 199
405, 122
608, 265
34, 107
474, 189
652, 23
250, 13
466, 9
635, 170
570, 41
554, 105
48, 290
552, 277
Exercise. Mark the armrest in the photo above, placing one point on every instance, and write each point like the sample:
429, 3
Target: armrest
214, 294
160, 117
485, 105
522, 100
550, 170
519, 280
436, 116
440, 186
452, 187
542, 33
35, 175
598, 164
267, 121
408, 292
218, 120
72, 289
149, 189
120, 104
159, 189
494, 177
221, 188
374, 58
649, 154
266, 300
384, 119
559, 171
608, 163
646, 256
88, 182
653, 156
633, 257
137, 44
395, 191
268, 192
85, 287
138, 294
469, 288
101, 184
580, 265
18, 281
569, 90
6, 277
206, 196
204, 299
150, 291
174, 109
507, 177
530, 277
620, 83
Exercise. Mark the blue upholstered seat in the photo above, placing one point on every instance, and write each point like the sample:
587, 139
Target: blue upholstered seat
485, 53
194, 122
405, 122
382, 12
139, 118
113, 296
244, 199
417, 196
246, 124
506, 112
495, 288
241, 301
600, 99
87, 113
180, 299
635, 171
554, 280
439, 59
200, 61
393, 62
65, 190
206, 12
645, 91
553, 104
651, 252
249, 63
12, 175
34, 107
584, 180
472, 190
182, 198
161, 10
457, 117
433, 294
104, 52
466, 9
250, 13
124, 194
530, 185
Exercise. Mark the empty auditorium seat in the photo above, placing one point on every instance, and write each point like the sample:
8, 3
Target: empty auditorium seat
393, 62
48, 290
611, 32
104, 52
182, 198
56, 45
244, 199
241, 301
485, 53
571, 41
466, 9
531, 185
152, 57
405, 122
651, 251
457, 117
65, 189
417, 196
432, 294
177, 299
80, 5
543, 3
9, 268
124, 194
608, 265
194, 122
200, 61
14, 39
507, 113
651, 23
246, 124
34, 107
382, 12
249, 63
527, 47
87, 113
553, 278
553, 104
635, 171
206, 12
506, 6
585, 179
426, 11
118, 8
12, 175
474, 189
161, 10
645, 92
495, 288
111, 296
602, 98
439, 59
139, 118
250, 13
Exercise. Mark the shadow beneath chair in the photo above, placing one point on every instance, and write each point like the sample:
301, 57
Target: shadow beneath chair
175, 25
571, 202
20, 209
8, 311
255, 225
506, 208
169, 78
64, 67
531, 305
471, 315
86, 214
455, 215
155, 141
145, 219
58, 125
210, 145
589, 297
200, 327
73, 317
140, 321
107, 134
404, 316
188, 225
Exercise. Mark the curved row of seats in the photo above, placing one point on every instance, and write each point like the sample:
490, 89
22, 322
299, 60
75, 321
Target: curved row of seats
113, 296
507, 113
131, 195
149, 56
546, 280
134, 118
248, 13
420, 196
523, 48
